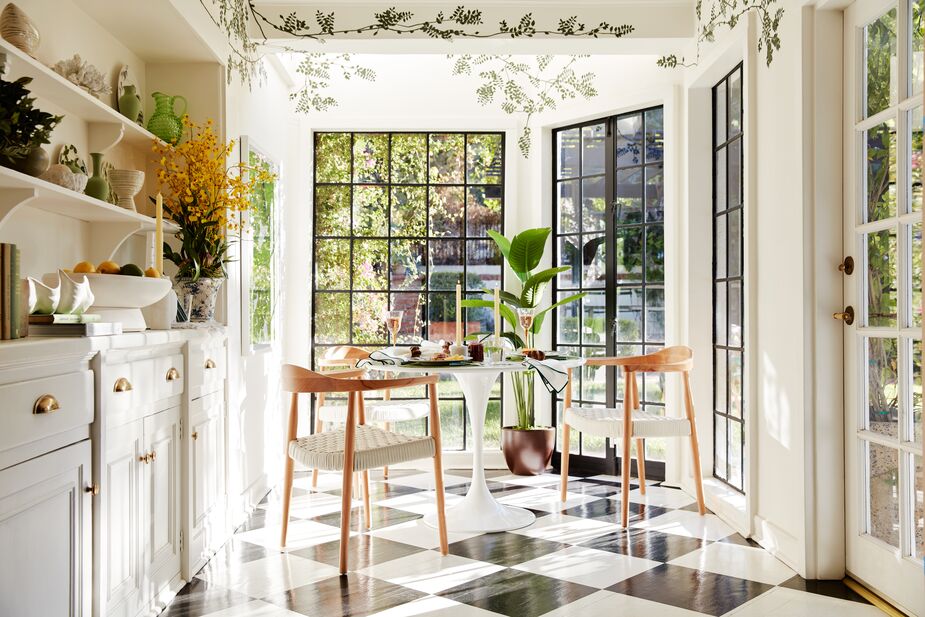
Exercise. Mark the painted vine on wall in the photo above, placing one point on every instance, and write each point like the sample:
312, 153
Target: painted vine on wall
726, 14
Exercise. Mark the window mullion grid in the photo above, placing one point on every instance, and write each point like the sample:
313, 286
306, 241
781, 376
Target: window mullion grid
610, 275
352, 239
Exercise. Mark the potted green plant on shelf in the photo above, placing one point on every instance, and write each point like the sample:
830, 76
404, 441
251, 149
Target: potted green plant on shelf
527, 447
23, 129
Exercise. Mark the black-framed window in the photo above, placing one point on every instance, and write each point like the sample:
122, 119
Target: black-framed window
728, 281
399, 219
609, 201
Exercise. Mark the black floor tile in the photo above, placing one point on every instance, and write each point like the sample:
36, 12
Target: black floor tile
353, 594
832, 589
608, 510
379, 517
517, 594
379, 491
504, 549
646, 544
200, 598
696, 590
363, 551
737, 539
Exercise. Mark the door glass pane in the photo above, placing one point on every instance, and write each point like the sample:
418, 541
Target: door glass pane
332, 210
594, 261
446, 210
918, 45
568, 206
629, 195
735, 453
483, 210
484, 158
629, 314
735, 313
409, 158
447, 158
655, 194
567, 153
369, 264
915, 123
882, 386
592, 319
720, 388
735, 383
881, 171
917, 391
735, 243
629, 255
719, 182
919, 501
568, 321
629, 140
370, 211
332, 157
593, 204
735, 103
655, 137
881, 278
570, 255
655, 314
719, 112
720, 466
409, 211
916, 261
371, 158
719, 305
883, 487
592, 149
734, 164
881, 63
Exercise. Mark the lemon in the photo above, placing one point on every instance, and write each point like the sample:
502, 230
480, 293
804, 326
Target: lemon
152, 273
109, 267
131, 270
85, 267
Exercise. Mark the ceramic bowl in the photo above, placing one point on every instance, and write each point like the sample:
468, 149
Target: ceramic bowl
125, 184
120, 291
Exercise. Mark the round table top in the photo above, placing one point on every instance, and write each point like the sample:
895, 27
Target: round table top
503, 367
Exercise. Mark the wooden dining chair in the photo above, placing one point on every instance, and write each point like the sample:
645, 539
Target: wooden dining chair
357, 447
385, 411
611, 422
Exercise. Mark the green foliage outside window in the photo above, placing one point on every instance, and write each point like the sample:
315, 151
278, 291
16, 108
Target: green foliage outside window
262, 229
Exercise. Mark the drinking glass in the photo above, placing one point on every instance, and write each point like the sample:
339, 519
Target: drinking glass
393, 323
494, 350
525, 316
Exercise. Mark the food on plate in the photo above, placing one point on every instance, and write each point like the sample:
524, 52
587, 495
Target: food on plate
131, 270
109, 267
415, 352
455, 358
152, 273
536, 354
85, 267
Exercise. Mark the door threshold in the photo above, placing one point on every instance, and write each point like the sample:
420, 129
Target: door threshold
873, 598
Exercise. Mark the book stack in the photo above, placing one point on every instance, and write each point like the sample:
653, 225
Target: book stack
10, 293
71, 325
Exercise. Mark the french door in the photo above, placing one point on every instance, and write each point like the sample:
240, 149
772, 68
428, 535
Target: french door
883, 337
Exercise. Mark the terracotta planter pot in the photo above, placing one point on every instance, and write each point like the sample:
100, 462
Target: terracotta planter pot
528, 452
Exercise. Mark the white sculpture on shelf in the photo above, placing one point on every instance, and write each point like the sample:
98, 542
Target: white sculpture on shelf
80, 73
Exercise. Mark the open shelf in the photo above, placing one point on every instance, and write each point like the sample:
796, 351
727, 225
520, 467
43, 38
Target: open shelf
107, 126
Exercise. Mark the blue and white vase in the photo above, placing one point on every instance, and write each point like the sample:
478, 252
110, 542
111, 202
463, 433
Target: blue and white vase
202, 293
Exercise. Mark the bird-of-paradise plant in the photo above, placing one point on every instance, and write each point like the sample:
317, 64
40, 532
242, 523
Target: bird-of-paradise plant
523, 253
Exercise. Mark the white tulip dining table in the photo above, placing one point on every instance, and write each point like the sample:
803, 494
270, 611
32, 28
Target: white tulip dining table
478, 511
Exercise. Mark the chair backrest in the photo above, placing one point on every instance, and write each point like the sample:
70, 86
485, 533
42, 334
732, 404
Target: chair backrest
342, 356
299, 379
679, 358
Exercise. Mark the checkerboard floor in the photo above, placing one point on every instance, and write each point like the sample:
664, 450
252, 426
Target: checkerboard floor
573, 561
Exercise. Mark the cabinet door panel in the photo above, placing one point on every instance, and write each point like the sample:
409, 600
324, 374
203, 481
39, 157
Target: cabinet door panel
162, 496
123, 493
46, 564
208, 458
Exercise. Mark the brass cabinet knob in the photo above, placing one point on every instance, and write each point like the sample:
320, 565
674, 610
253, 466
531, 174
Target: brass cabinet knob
846, 316
195, 435
122, 385
153, 455
173, 374
210, 364
93, 489
145, 458
45, 404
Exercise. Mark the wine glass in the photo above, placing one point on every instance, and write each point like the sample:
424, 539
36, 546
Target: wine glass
393, 323
526, 316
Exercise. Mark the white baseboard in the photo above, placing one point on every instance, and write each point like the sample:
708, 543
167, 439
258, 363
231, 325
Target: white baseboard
781, 544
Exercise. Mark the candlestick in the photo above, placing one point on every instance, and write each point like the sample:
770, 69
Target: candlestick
159, 235
497, 313
458, 314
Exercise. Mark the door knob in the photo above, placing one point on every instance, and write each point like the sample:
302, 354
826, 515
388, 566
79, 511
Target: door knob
145, 458
847, 315
847, 266
93, 489
195, 435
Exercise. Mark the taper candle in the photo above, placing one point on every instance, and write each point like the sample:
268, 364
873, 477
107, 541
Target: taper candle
497, 313
458, 314
159, 235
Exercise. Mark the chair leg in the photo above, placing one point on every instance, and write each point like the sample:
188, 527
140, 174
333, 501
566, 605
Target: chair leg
347, 487
319, 427
367, 514
641, 464
291, 433
385, 470
563, 482
695, 445
438, 469
627, 436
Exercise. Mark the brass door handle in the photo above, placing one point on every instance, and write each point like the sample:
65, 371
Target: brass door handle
45, 404
847, 266
195, 435
145, 458
847, 315
93, 489
153, 455
122, 385
210, 364
173, 374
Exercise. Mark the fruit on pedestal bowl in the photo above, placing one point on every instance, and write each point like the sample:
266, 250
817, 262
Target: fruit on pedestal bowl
131, 270
84, 267
115, 291
153, 273
109, 267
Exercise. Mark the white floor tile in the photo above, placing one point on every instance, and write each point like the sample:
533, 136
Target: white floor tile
257, 608
300, 535
587, 566
305, 506
609, 604
270, 575
746, 562
687, 523
424, 502
546, 499
608, 478
541, 480
660, 496
416, 533
784, 602
327, 480
430, 572
426, 480
432, 606
558, 527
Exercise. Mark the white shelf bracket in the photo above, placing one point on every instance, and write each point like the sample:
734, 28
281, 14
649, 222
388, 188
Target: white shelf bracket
106, 238
104, 135
12, 199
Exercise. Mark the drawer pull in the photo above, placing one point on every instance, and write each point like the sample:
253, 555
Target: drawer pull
210, 364
195, 435
93, 489
173, 374
145, 458
153, 455
122, 385
45, 404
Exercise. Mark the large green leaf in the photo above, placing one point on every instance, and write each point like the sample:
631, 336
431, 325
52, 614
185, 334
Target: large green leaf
541, 315
506, 312
536, 284
504, 245
505, 296
527, 250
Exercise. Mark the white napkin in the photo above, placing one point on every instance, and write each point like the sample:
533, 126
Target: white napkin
552, 372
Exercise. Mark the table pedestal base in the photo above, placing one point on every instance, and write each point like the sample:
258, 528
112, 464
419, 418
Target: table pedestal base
479, 512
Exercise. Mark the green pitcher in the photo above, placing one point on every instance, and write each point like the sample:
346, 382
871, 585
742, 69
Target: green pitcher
164, 122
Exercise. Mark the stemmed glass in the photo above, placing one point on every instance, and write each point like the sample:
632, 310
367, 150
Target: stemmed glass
525, 316
393, 323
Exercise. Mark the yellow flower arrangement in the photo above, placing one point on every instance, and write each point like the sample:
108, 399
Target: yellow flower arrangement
206, 197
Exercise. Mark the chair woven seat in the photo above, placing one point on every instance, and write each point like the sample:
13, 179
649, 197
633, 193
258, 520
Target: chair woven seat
374, 448
608, 422
395, 410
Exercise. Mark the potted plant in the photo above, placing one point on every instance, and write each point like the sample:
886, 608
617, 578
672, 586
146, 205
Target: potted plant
527, 447
205, 197
23, 129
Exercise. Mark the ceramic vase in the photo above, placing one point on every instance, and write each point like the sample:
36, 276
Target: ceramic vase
76, 296
166, 123
203, 293
42, 299
126, 183
33, 164
97, 186
130, 103
18, 29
